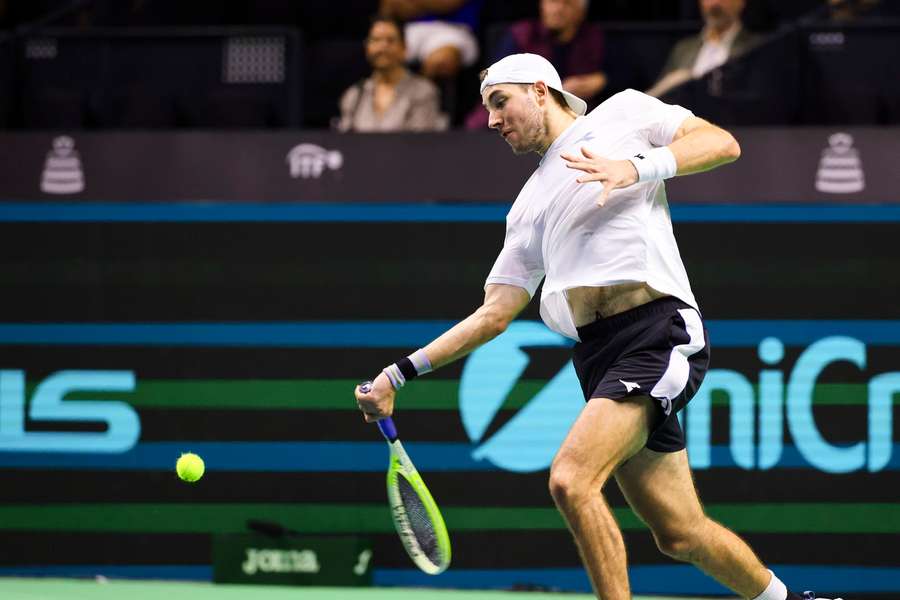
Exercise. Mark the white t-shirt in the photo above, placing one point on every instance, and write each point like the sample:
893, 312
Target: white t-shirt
555, 227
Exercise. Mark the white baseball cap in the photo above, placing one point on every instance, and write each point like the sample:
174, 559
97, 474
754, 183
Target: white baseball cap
528, 68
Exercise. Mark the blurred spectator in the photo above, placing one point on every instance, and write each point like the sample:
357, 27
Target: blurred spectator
392, 99
561, 36
723, 38
842, 11
440, 34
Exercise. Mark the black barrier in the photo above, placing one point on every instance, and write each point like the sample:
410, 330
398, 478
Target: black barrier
809, 165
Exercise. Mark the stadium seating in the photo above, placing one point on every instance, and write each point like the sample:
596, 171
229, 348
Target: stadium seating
293, 76
152, 78
331, 67
637, 52
759, 88
849, 66
6, 79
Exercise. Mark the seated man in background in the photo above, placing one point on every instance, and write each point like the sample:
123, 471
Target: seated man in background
575, 49
392, 99
440, 34
844, 11
723, 38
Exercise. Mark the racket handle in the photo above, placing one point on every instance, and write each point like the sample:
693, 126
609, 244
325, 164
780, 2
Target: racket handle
386, 425
388, 429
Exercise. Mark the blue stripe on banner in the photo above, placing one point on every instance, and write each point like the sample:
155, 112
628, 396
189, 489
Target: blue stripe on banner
240, 212
395, 334
650, 579
813, 213
655, 579
308, 457
799, 332
259, 456
320, 212
320, 334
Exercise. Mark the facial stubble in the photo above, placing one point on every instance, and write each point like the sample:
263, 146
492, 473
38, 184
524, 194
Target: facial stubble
535, 130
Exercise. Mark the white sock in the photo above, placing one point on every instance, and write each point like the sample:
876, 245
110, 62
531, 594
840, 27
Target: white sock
776, 590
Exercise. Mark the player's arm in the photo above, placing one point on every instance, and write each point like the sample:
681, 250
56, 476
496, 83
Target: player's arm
697, 145
502, 303
700, 146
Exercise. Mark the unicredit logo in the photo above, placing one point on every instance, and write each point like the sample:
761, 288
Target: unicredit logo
529, 440
761, 412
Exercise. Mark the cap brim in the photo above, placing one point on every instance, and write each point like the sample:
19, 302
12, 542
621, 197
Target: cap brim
574, 102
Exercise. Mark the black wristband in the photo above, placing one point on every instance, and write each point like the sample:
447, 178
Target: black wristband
407, 368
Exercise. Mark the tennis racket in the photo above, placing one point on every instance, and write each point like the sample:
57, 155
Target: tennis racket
416, 516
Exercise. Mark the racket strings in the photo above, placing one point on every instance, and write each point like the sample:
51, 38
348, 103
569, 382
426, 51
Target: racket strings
419, 521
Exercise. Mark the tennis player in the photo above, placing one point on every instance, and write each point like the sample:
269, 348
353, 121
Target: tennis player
593, 223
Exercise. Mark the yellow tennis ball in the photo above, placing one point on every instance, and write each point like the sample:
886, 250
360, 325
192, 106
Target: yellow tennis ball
189, 467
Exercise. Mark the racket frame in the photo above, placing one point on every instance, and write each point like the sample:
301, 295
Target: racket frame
401, 466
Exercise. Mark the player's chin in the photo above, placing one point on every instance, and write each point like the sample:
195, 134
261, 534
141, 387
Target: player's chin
518, 149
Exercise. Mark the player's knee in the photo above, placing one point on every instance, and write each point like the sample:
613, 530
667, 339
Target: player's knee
570, 486
563, 486
680, 544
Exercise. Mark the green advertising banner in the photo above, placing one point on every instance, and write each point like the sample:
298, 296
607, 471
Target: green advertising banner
132, 333
254, 558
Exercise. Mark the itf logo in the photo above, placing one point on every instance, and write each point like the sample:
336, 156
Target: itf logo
760, 412
309, 160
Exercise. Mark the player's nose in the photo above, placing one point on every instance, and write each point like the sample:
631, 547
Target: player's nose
494, 120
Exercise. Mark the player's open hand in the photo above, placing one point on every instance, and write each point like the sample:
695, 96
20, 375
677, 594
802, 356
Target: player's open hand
378, 402
613, 174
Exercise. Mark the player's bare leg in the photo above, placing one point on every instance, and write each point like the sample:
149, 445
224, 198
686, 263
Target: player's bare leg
660, 489
606, 433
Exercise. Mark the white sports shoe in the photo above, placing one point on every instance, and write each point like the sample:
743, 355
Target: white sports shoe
812, 596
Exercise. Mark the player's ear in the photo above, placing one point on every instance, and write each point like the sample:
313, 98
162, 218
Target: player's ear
540, 91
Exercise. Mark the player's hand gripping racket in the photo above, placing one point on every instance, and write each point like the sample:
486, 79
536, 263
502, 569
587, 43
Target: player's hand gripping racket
416, 516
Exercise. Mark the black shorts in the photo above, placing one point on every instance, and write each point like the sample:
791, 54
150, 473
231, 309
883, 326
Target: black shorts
659, 349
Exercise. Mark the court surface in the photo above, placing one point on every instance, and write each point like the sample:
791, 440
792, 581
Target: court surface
88, 589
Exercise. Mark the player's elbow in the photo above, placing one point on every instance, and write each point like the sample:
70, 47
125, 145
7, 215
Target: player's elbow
492, 322
731, 150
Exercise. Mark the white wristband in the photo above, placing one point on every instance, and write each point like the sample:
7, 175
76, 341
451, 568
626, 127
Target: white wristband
395, 376
420, 361
655, 164
408, 368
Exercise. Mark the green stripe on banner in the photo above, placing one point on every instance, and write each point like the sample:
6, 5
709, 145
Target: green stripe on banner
301, 394
375, 518
336, 394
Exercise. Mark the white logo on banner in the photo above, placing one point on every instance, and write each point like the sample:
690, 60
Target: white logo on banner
62, 169
309, 160
840, 168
